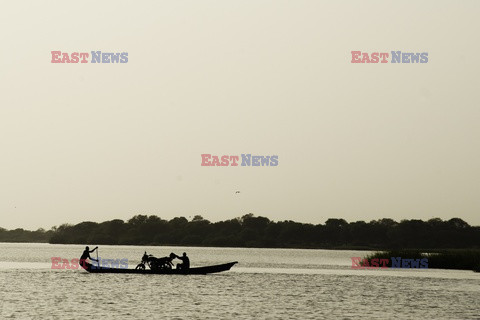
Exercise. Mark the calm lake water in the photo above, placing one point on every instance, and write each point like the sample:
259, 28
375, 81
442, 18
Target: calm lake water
265, 284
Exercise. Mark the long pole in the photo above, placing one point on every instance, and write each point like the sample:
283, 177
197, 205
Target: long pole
98, 262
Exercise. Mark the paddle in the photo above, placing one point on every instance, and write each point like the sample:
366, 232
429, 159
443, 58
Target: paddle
98, 262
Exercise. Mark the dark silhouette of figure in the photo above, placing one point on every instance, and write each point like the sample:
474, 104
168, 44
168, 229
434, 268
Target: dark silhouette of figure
85, 256
185, 262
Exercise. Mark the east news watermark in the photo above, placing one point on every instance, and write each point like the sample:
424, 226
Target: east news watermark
73, 264
244, 160
89, 57
393, 263
389, 57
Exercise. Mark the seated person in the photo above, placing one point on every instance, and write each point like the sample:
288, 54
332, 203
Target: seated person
185, 260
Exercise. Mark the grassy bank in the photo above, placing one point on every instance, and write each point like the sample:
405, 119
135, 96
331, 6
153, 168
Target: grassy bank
438, 259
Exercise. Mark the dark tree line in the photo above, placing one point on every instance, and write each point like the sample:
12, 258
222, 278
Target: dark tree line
252, 231
20, 235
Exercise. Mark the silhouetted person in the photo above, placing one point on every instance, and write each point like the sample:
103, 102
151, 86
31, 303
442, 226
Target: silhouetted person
85, 256
185, 260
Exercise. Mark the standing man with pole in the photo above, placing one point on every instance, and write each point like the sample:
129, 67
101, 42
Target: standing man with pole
86, 255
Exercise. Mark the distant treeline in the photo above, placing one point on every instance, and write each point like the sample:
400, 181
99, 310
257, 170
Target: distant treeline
253, 231
20, 235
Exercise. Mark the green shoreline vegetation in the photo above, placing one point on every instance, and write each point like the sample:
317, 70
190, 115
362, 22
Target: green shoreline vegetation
260, 232
460, 259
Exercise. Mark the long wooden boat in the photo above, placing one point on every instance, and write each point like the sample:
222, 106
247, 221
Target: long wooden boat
197, 270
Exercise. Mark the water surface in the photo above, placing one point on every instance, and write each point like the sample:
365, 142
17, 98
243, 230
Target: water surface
265, 284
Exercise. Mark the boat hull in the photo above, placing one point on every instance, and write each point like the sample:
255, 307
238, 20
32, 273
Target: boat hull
198, 270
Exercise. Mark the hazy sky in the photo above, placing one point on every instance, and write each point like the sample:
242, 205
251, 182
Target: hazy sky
356, 141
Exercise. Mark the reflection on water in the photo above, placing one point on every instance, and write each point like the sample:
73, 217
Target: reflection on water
266, 284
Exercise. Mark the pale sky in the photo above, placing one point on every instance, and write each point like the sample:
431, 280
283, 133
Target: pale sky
356, 141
